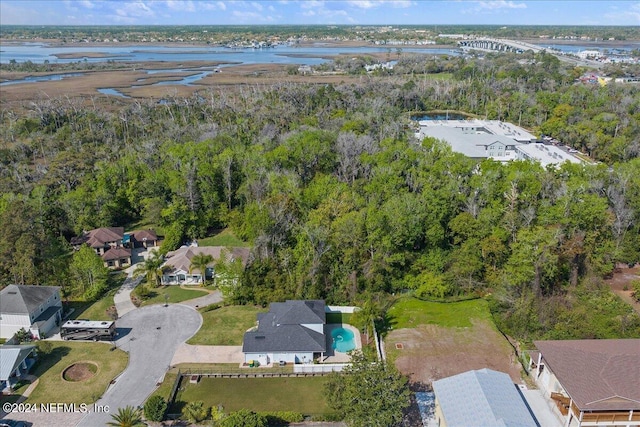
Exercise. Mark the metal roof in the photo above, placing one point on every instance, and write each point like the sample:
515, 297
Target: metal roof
11, 356
483, 398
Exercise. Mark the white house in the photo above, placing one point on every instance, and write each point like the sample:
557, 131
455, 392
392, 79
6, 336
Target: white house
15, 361
291, 332
37, 309
177, 269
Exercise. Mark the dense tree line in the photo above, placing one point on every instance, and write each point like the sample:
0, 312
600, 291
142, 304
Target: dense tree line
338, 197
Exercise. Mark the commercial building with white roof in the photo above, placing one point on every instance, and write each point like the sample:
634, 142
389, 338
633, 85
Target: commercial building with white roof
493, 139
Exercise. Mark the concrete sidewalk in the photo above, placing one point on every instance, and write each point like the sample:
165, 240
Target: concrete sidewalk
208, 354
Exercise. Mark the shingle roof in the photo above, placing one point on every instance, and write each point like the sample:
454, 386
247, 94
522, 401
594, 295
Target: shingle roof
116, 253
297, 312
284, 338
10, 357
483, 398
599, 375
280, 329
101, 236
145, 235
180, 259
24, 299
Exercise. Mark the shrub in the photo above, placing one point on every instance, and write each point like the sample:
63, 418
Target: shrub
195, 412
244, 418
635, 287
44, 347
278, 418
155, 408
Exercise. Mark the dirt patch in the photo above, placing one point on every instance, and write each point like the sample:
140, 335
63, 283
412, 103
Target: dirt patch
80, 371
621, 280
431, 352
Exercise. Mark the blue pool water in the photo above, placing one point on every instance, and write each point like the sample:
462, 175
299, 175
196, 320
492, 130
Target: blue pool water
343, 340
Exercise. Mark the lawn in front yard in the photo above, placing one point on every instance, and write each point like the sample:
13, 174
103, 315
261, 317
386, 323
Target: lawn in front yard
53, 388
96, 310
175, 294
225, 238
304, 395
226, 325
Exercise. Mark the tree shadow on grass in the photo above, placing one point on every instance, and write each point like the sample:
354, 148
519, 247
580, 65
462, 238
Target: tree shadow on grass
385, 323
47, 361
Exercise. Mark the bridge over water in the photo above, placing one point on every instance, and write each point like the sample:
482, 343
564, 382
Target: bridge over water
500, 45
504, 45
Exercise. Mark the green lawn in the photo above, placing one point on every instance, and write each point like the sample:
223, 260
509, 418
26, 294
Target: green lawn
94, 311
175, 294
411, 312
339, 317
226, 325
223, 238
53, 388
304, 395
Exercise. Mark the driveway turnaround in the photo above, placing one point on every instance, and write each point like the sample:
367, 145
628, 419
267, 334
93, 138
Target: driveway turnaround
151, 335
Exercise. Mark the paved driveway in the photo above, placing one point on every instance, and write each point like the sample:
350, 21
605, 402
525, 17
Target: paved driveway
151, 336
208, 354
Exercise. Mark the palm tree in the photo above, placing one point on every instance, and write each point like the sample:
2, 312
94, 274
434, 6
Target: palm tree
151, 268
126, 417
199, 262
195, 412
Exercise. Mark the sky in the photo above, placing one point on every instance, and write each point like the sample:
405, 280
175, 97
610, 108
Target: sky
318, 12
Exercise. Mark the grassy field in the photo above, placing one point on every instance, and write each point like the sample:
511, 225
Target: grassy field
411, 312
175, 294
226, 325
223, 238
53, 388
430, 340
305, 395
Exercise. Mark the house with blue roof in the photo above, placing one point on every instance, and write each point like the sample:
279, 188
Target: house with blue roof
482, 398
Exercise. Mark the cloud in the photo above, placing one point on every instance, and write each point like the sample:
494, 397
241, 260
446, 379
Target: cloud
500, 4
371, 4
181, 5
257, 6
251, 16
86, 4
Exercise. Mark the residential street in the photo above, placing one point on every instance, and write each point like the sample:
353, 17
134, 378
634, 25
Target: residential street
151, 335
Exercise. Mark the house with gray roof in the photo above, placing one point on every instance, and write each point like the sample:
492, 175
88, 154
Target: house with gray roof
291, 332
590, 382
37, 309
482, 398
15, 361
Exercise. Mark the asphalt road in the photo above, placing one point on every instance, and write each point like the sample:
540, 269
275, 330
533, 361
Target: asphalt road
151, 336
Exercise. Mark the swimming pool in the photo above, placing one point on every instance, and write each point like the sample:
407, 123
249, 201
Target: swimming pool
343, 340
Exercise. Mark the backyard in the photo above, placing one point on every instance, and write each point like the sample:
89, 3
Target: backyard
431, 340
103, 365
224, 237
225, 325
304, 395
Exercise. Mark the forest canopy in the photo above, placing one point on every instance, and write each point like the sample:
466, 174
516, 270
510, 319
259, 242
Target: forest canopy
338, 198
